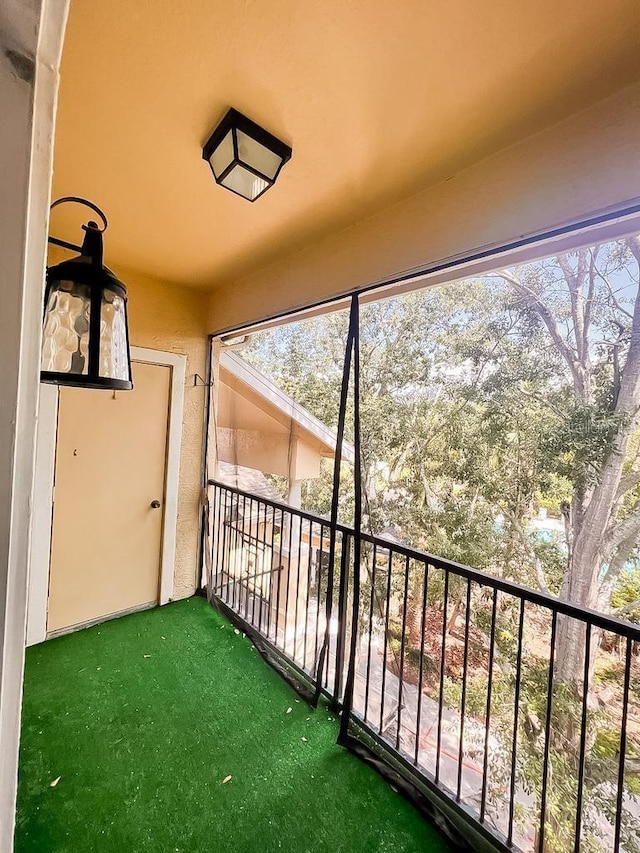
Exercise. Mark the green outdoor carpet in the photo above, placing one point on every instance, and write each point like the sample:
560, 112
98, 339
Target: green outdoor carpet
142, 719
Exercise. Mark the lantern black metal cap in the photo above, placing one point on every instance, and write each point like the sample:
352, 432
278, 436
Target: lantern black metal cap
82, 270
236, 121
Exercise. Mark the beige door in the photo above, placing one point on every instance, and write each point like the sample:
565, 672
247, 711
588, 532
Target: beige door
110, 467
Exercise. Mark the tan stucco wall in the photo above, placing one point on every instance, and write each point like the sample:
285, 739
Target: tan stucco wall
171, 318
168, 317
585, 163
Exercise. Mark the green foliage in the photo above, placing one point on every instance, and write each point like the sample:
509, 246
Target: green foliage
583, 441
475, 697
626, 596
607, 743
480, 405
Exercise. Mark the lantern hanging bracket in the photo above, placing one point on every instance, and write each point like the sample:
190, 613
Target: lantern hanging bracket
78, 200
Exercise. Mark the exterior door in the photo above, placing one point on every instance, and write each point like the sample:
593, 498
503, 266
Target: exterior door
109, 475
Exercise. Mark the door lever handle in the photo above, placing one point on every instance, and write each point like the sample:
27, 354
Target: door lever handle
155, 504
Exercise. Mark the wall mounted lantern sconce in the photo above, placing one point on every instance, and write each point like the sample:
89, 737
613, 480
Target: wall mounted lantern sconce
85, 339
244, 158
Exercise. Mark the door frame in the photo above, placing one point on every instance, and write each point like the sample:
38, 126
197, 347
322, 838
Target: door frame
42, 527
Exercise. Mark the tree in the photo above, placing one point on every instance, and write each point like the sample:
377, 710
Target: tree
484, 398
600, 534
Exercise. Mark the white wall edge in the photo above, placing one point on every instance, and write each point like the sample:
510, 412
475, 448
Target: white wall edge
35, 33
41, 526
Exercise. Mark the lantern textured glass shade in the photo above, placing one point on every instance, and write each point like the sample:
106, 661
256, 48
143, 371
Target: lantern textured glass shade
244, 157
65, 342
85, 333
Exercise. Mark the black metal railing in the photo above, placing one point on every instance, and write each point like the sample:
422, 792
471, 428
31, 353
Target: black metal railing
519, 708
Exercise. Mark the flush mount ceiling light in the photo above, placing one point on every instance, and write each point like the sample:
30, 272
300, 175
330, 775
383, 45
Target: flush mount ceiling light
244, 158
85, 340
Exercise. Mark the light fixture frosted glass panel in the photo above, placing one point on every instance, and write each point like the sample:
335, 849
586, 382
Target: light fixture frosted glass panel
244, 182
257, 156
114, 350
65, 343
223, 155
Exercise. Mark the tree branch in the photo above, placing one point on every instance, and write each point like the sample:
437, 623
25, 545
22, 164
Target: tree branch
575, 283
627, 529
634, 245
628, 608
537, 565
544, 402
548, 319
593, 270
612, 296
616, 564
627, 481
630, 382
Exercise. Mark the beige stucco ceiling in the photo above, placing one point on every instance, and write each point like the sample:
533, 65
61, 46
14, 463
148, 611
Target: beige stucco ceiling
378, 99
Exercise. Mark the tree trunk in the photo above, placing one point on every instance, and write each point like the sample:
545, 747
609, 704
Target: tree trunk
596, 531
454, 617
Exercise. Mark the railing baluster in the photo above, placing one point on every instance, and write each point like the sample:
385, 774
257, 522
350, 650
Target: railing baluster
215, 543
514, 746
297, 526
280, 569
623, 746
250, 546
583, 736
330, 593
425, 584
232, 536
373, 593
463, 699
288, 587
485, 757
239, 532
225, 560
306, 610
264, 577
251, 580
232, 533
247, 545
401, 666
342, 616
209, 569
251, 587
386, 634
547, 733
318, 596
219, 556
270, 570
442, 668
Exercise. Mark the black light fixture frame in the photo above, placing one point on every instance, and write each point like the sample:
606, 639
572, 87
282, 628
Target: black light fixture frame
235, 120
97, 278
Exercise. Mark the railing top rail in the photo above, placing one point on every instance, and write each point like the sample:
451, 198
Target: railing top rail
591, 617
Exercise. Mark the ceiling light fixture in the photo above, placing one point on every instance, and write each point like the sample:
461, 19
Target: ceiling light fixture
244, 158
85, 340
